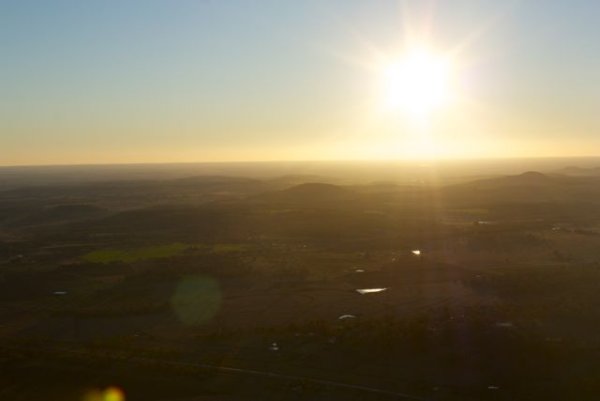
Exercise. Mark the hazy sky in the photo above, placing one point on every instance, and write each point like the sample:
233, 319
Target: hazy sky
149, 81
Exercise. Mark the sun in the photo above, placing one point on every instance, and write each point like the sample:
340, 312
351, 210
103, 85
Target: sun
417, 83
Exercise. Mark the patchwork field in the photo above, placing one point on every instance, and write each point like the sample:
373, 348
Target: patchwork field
317, 292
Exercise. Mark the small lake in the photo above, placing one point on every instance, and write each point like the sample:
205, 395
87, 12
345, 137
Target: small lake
363, 291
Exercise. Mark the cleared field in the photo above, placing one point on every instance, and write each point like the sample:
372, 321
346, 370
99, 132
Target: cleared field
157, 252
133, 255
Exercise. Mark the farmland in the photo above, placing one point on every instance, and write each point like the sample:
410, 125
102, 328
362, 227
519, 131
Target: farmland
448, 292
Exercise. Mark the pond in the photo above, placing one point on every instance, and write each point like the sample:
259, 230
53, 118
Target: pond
363, 291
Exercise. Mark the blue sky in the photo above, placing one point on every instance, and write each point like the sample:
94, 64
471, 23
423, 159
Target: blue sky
138, 81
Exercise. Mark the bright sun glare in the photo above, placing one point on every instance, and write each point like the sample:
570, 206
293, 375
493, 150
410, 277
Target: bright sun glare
418, 83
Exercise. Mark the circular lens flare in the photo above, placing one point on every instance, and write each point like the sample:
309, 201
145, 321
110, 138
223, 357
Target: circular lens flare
196, 300
114, 394
111, 393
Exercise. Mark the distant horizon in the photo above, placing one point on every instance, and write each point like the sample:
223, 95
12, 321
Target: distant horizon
374, 161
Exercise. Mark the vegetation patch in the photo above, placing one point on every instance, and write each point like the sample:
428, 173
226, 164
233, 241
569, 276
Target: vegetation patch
228, 248
132, 255
159, 252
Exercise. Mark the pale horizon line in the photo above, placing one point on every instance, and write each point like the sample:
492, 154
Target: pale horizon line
374, 161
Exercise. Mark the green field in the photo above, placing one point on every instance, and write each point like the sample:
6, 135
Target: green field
157, 252
133, 255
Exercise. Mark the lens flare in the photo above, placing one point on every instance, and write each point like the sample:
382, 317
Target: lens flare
114, 394
196, 300
111, 393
